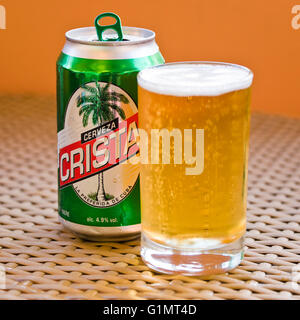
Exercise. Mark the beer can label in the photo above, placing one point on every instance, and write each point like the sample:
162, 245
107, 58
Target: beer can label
96, 151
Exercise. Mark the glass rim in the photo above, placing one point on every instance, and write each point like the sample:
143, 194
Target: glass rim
248, 75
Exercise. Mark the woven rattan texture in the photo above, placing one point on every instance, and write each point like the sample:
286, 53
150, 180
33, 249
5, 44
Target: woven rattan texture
43, 261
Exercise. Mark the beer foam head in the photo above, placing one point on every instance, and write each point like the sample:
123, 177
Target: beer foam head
195, 79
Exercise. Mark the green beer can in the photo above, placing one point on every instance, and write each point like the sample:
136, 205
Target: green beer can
97, 121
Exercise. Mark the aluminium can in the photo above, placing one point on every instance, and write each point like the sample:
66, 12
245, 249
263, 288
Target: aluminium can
97, 115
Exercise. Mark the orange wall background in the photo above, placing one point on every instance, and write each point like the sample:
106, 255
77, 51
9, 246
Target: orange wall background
255, 33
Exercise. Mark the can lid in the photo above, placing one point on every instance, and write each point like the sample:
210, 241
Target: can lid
131, 36
117, 27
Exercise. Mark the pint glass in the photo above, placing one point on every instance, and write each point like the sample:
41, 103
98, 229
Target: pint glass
194, 118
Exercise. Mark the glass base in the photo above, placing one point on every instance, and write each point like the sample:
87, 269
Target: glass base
191, 262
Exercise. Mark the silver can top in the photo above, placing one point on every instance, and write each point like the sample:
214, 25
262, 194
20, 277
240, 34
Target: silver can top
89, 36
84, 43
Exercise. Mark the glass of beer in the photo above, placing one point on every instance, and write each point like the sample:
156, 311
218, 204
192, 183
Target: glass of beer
194, 120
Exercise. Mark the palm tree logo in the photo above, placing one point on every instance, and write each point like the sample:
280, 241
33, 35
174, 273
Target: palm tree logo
102, 105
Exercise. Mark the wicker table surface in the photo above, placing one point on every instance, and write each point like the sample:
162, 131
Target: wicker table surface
43, 261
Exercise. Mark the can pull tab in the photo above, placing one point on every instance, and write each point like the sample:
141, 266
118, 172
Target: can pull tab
117, 27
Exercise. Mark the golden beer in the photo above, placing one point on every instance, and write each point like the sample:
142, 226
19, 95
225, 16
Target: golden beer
195, 223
